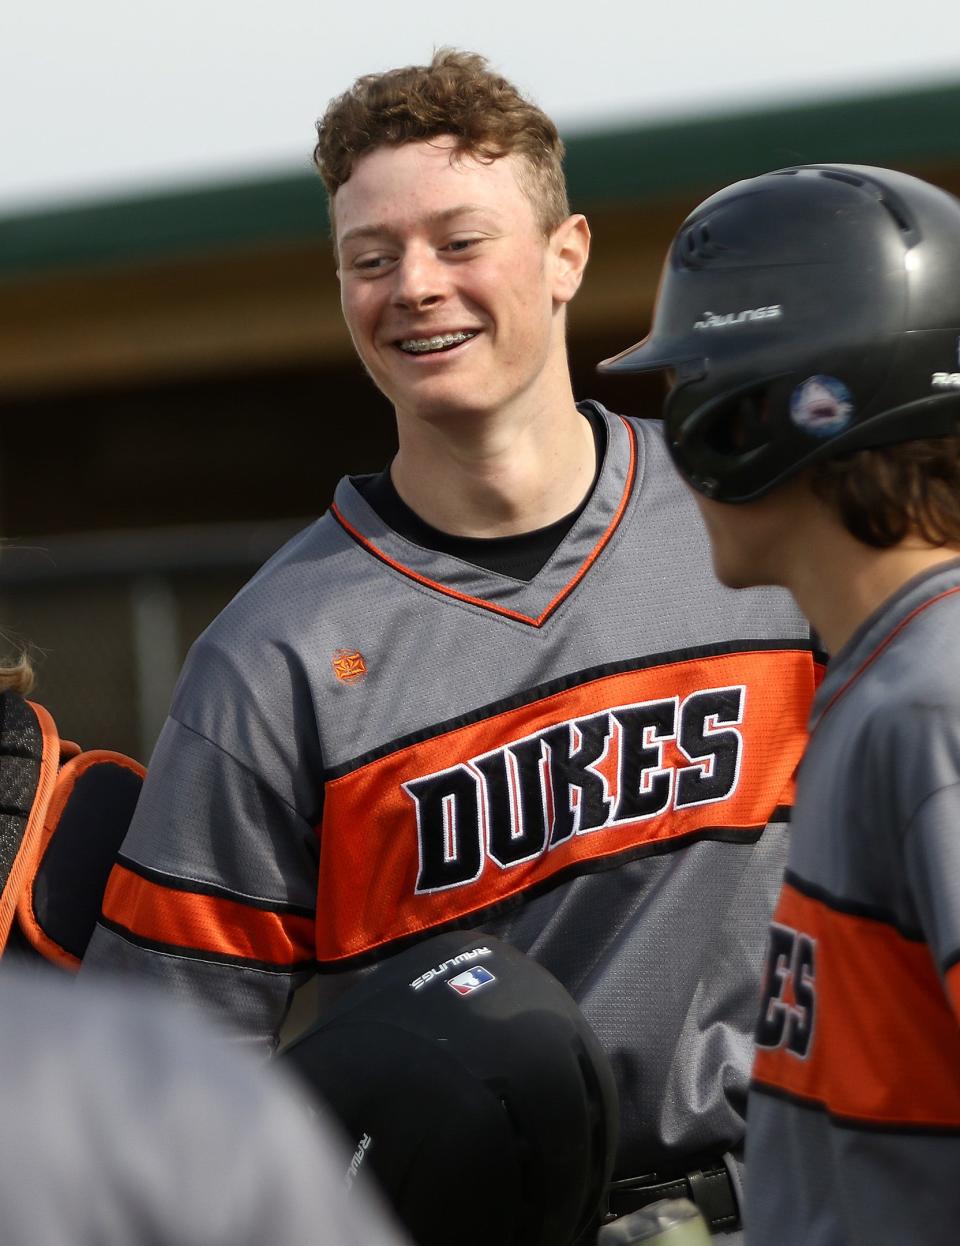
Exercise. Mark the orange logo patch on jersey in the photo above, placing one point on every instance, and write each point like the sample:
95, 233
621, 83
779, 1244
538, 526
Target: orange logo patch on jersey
348, 665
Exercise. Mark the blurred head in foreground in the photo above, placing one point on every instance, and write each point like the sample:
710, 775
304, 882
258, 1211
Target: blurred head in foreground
127, 1122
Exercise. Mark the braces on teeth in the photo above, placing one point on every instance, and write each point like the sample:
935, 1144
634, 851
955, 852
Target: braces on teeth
423, 344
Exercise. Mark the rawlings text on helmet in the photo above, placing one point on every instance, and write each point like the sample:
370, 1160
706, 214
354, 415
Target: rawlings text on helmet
711, 320
359, 1155
470, 954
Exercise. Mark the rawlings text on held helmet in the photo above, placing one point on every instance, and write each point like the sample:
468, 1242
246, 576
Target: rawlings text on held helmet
803, 314
475, 1094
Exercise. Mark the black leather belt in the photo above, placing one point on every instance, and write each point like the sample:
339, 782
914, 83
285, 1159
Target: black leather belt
709, 1187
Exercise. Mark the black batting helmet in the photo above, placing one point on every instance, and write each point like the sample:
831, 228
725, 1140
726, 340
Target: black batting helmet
475, 1094
804, 314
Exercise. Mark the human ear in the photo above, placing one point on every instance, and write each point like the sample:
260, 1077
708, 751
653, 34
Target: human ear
569, 249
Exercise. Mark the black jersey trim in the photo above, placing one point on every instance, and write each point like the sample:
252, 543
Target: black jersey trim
843, 1121
853, 908
953, 958
715, 834
203, 954
195, 887
540, 692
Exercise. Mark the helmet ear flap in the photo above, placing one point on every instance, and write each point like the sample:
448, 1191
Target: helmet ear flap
718, 439
741, 423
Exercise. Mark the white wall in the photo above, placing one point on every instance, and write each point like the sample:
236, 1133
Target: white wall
102, 96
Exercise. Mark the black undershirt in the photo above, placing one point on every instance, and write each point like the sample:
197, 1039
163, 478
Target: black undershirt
519, 557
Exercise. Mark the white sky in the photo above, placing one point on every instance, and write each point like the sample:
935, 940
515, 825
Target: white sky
100, 97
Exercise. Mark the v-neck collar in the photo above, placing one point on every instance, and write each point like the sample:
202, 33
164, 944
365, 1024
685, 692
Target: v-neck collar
531, 603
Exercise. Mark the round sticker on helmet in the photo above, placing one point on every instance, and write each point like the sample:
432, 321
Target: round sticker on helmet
822, 406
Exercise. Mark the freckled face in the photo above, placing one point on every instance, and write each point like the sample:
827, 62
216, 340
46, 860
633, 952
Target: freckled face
449, 288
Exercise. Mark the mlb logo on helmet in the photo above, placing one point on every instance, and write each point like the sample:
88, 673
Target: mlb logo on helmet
471, 980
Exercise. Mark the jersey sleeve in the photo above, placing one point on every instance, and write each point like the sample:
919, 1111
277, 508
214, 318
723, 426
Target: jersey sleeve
932, 852
214, 891
925, 791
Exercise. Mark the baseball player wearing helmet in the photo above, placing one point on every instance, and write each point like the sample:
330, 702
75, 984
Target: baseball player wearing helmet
815, 410
496, 686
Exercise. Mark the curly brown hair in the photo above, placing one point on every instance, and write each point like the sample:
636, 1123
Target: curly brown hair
885, 494
457, 95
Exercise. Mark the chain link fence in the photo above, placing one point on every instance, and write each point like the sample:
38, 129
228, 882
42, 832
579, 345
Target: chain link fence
108, 618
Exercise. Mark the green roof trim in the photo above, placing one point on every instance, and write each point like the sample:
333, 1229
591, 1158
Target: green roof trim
154, 227
907, 127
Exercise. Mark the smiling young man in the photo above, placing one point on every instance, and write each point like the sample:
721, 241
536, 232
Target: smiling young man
824, 450
497, 685
454, 290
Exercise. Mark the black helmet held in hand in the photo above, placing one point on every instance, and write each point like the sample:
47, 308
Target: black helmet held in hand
475, 1093
804, 314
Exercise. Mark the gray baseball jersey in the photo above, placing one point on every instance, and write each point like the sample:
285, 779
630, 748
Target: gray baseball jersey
854, 1131
376, 740
127, 1122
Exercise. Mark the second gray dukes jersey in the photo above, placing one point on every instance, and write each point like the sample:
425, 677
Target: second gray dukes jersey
376, 740
854, 1135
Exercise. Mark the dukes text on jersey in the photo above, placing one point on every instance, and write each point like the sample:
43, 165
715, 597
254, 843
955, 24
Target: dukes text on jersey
788, 995
574, 778
611, 764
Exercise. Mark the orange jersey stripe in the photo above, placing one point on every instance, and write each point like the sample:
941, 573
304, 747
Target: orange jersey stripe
205, 923
884, 1045
378, 879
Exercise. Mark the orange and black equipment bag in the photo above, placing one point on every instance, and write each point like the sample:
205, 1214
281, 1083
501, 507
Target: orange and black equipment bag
63, 815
